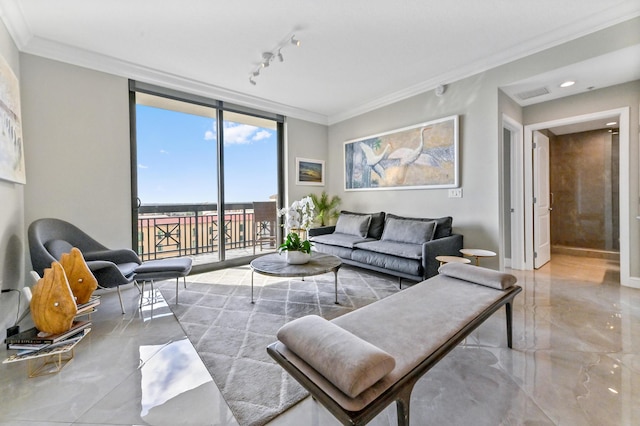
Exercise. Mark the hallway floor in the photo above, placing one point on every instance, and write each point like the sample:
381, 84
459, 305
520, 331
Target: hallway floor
576, 360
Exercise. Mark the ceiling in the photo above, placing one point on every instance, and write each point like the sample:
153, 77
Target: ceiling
354, 55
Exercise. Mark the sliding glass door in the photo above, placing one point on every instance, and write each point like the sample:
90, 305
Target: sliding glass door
197, 173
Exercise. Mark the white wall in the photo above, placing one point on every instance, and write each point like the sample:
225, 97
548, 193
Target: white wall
12, 236
476, 100
476, 213
306, 140
76, 124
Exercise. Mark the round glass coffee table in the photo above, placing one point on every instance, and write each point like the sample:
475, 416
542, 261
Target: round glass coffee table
275, 265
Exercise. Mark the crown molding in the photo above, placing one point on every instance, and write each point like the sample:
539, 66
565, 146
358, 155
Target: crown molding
91, 60
13, 18
624, 12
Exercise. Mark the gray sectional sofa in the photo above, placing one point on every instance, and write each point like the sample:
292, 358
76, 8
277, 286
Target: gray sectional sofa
405, 247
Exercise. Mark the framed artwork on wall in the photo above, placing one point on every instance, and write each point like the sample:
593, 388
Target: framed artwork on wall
422, 156
11, 149
309, 172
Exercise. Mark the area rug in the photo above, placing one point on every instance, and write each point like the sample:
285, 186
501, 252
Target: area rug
231, 335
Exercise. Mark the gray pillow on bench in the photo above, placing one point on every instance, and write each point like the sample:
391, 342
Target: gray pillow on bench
350, 363
478, 275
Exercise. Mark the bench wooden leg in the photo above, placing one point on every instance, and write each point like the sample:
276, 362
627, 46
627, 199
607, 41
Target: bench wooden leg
403, 406
509, 312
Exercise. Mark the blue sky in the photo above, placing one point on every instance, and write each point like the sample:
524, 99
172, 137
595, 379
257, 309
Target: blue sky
177, 159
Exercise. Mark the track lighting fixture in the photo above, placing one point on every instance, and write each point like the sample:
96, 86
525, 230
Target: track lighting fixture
268, 57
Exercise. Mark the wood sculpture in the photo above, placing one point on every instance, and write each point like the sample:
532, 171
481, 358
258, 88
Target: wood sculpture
79, 276
53, 306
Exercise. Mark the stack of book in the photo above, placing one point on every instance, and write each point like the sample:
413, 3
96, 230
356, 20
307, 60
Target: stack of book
32, 340
89, 307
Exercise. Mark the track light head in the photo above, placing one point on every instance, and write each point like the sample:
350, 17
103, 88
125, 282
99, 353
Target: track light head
251, 80
295, 41
267, 57
256, 72
280, 57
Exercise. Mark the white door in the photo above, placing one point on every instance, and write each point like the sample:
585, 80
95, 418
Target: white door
541, 204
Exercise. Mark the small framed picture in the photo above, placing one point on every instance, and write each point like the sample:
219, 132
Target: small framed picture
309, 172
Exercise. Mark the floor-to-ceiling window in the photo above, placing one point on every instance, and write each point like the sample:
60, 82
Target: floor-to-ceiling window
198, 168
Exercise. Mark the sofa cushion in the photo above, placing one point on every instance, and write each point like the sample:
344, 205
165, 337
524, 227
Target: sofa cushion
338, 239
377, 223
408, 231
387, 261
395, 248
341, 252
443, 224
353, 224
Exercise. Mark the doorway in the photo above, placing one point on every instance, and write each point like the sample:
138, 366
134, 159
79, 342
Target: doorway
584, 188
527, 219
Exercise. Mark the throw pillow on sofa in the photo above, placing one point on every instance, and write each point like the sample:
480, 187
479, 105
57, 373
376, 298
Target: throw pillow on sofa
408, 231
443, 224
376, 226
353, 224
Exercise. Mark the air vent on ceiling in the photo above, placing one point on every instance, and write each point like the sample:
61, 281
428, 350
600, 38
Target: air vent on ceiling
528, 94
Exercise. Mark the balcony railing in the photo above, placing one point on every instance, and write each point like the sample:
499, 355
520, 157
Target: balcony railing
192, 229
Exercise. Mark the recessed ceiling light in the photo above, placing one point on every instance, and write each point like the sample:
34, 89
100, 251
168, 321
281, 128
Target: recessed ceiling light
611, 123
568, 83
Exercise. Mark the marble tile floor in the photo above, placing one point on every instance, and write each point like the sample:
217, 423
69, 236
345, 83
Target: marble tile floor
576, 361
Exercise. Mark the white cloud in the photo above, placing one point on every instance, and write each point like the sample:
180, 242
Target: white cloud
262, 134
142, 166
236, 133
162, 151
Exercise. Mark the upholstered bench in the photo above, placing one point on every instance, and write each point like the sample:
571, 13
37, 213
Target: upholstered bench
163, 269
359, 363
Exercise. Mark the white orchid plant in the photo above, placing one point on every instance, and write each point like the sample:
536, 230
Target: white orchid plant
299, 216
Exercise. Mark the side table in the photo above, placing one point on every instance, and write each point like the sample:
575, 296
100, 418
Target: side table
452, 259
476, 254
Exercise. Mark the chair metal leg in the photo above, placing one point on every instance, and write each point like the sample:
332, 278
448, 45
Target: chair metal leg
120, 297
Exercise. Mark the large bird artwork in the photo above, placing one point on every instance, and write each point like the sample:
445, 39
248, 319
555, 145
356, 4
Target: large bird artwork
410, 157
